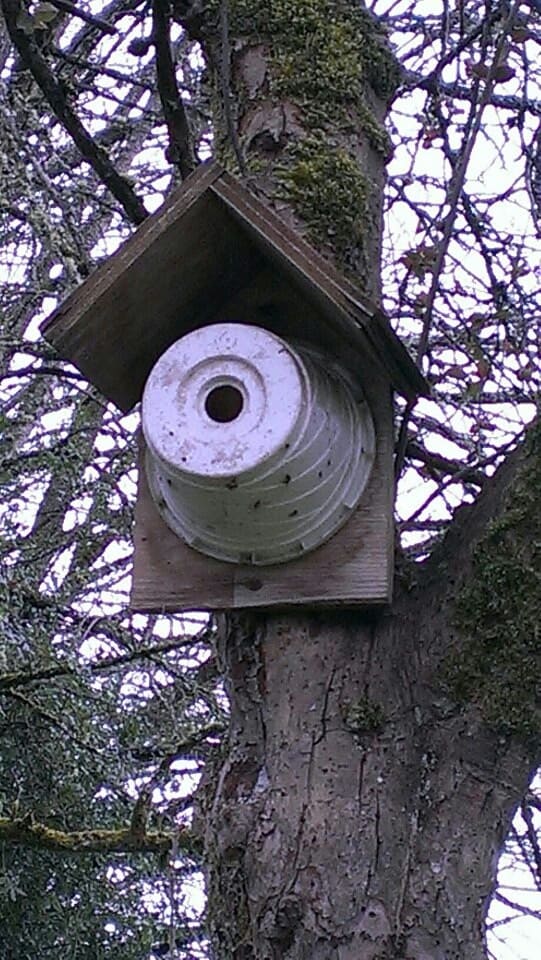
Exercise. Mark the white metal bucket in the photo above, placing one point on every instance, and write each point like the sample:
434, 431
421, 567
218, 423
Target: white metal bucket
258, 450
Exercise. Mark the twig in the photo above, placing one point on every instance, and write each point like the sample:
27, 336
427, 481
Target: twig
435, 85
533, 176
173, 856
463, 44
440, 464
46, 370
10, 681
534, 842
453, 196
225, 75
180, 150
187, 749
83, 15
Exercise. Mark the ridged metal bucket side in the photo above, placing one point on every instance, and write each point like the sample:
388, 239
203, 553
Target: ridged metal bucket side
299, 446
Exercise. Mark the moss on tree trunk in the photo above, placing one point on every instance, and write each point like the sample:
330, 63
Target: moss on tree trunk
300, 90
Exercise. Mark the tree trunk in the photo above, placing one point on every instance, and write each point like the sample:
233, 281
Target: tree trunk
369, 776
351, 819
299, 92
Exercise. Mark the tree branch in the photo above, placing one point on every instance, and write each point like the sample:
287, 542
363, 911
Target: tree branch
55, 94
9, 681
457, 91
440, 464
26, 832
454, 191
83, 15
534, 841
480, 601
187, 748
180, 151
465, 42
225, 78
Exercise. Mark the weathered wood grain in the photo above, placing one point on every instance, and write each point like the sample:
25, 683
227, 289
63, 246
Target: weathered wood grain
207, 243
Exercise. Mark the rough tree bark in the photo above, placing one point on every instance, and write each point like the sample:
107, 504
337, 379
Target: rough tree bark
373, 762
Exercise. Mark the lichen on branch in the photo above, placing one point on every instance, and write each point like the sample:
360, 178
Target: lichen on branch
25, 831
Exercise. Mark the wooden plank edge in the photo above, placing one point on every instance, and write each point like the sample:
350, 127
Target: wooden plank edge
379, 602
386, 349
405, 375
287, 242
234, 193
58, 324
295, 251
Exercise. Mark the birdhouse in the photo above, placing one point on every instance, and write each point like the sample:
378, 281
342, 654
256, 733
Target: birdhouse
265, 381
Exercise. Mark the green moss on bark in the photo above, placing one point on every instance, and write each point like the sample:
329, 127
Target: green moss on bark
327, 63
328, 191
364, 717
227, 892
499, 613
330, 49
324, 55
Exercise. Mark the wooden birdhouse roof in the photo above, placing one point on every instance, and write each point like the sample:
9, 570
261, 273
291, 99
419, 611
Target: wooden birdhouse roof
188, 265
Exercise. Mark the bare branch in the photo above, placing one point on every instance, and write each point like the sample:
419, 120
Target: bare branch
454, 191
83, 15
534, 841
441, 464
225, 77
9, 681
180, 150
458, 91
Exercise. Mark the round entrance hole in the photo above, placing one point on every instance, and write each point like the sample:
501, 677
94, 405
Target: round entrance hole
223, 404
